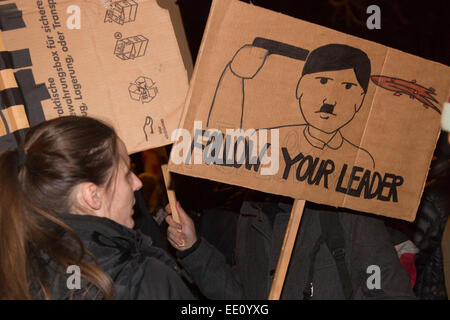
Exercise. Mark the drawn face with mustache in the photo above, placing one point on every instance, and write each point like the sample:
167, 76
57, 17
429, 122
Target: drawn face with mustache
329, 100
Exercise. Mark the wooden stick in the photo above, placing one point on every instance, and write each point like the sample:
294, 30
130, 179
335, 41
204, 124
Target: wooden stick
170, 194
172, 198
286, 250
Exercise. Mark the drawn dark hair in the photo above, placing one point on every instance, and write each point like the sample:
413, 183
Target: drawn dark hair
60, 154
332, 57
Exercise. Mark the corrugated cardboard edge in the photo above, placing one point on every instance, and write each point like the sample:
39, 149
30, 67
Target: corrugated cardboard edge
180, 33
173, 14
18, 123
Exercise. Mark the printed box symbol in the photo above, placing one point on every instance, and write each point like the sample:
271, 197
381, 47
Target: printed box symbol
143, 89
131, 47
122, 12
135, 92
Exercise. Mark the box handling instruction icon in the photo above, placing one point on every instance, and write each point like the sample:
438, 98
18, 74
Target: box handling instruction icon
131, 47
121, 12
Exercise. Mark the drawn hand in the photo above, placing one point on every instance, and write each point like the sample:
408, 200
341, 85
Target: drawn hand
248, 60
180, 235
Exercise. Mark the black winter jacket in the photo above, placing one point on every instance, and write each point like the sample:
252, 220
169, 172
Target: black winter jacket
431, 219
260, 234
139, 269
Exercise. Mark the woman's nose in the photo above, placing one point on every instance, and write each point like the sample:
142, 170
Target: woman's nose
137, 183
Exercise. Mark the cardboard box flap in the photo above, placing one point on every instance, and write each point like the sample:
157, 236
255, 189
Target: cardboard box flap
116, 60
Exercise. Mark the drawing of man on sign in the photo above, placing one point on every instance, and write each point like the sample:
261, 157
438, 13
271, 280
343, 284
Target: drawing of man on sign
330, 91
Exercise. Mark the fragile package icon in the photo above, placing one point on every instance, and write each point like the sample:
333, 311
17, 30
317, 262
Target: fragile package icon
131, 47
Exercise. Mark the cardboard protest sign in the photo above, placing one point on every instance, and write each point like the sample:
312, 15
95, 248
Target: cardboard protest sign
115, 60
324, 116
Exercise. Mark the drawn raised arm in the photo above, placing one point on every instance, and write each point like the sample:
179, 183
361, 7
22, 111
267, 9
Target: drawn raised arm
247, 61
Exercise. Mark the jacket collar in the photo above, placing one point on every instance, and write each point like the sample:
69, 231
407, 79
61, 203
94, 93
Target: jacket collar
98, 233
106, 231
86, 224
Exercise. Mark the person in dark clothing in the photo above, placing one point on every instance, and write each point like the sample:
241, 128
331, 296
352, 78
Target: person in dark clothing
431, 220
259, 237
138, 268
145, 223
66, 203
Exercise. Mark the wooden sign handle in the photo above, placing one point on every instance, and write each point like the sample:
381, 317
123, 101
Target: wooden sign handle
170, 193
286, 249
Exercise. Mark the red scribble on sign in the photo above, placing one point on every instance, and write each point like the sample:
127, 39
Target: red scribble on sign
410, 88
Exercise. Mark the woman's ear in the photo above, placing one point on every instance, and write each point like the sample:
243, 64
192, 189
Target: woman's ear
89, 197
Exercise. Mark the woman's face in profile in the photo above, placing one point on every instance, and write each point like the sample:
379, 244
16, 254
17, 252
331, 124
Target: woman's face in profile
121, 194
